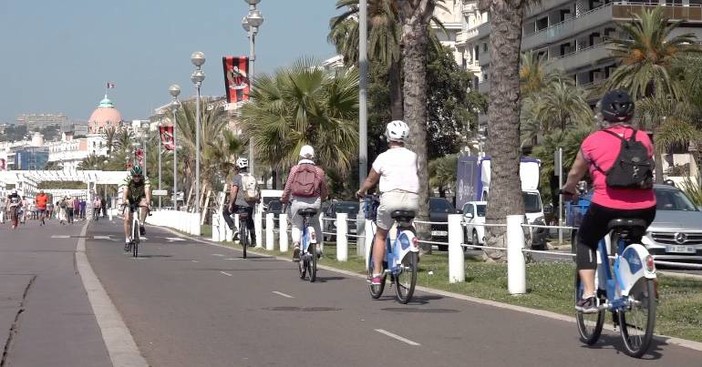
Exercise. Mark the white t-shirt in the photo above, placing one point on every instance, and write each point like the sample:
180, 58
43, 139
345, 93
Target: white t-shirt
398, 170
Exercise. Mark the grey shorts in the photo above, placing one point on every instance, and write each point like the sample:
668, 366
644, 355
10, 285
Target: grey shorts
395, 200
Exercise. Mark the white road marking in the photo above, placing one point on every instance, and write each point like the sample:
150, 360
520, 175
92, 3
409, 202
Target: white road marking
283, 294
195, 261
397, 337
232, 259
225, 273
175, 239
60, 236
101, 237
220, 255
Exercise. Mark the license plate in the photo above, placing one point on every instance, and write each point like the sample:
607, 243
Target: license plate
680, 249
439, 233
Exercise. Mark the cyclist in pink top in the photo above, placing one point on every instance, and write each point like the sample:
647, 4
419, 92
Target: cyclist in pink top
597, 154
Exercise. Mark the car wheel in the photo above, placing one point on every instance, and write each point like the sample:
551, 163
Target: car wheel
474, 239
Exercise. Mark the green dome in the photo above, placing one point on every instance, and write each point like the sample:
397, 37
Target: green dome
106, 103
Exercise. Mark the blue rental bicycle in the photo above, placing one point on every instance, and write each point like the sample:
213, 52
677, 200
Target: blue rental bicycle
308, 246
625, 287
401, 256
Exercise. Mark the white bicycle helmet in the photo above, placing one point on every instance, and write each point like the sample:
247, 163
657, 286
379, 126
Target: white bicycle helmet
397, 130
307, 152
242, 163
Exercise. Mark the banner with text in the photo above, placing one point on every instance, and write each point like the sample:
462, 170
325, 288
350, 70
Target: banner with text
236, 79
167, 136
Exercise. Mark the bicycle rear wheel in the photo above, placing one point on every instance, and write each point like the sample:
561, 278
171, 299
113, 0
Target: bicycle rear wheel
406, 279
589, 324
312, 262
243, 238
637, 322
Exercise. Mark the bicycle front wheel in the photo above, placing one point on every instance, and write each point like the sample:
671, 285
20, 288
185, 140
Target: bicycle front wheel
589, 324
135, 239
406, 279
636, 323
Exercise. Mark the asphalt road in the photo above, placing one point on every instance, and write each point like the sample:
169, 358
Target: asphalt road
192, 304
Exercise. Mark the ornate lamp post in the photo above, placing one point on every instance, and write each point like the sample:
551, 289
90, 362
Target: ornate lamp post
174, 90
251, 23
198, 59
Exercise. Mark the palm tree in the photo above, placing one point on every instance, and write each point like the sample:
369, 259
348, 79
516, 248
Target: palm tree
506, 17
647, 53
302, 105
92, 162
533, 75
110, 135
563, 104
442, 173
383, 42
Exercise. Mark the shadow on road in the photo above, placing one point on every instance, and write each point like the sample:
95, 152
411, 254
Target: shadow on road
614, 341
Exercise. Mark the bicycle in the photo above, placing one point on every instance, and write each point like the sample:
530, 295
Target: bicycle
244, 237
401, 256
134, 238
308, 246
625, 287
14, 215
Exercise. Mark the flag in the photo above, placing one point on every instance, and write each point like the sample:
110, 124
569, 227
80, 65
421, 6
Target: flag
167, 137
110, 85
236, 78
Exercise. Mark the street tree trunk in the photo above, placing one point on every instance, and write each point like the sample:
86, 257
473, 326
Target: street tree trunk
395, 84
415, 16
506, 18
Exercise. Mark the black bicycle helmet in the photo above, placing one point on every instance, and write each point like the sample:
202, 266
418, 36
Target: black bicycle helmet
617, 106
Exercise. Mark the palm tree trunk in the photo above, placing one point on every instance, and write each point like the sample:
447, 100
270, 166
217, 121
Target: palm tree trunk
503, 116
414, 61
395, 83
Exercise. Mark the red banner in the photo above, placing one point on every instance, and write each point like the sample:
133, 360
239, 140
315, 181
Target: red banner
166, 136
236, 79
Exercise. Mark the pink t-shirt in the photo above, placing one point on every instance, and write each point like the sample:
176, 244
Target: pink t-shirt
603, 149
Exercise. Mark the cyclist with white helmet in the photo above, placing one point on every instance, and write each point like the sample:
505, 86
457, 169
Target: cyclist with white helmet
137, 191
243, 195
305, 188
396, 172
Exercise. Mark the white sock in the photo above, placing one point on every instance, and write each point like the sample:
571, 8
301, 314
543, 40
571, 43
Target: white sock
126, 239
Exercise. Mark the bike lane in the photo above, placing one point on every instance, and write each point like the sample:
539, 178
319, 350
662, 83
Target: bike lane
189, 304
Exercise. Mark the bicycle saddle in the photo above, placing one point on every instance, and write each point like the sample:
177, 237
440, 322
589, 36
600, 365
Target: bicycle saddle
307, 212
402, 215
628, 226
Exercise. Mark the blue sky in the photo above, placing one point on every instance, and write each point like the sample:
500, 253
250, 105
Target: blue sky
58, 55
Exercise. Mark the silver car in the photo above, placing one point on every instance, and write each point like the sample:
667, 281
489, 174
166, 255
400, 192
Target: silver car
676, 233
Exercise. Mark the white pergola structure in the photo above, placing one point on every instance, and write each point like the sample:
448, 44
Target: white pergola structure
26, 182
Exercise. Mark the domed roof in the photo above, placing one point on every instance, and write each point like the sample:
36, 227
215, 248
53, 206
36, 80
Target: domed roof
105, 114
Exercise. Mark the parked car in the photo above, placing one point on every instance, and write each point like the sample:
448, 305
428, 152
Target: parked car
349, 207
275, 207
474, 216
439, 209
676, 233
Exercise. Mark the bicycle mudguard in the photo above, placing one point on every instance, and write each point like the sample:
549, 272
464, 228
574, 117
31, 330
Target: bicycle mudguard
634, 263
404, 244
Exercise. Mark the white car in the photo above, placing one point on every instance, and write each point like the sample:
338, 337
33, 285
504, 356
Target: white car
474, 218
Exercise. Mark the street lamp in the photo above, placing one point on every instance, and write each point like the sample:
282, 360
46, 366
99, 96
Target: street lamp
250, 23
198, 59
174, 90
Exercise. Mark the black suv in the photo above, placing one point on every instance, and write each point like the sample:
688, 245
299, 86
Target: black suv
439, 210
329, 221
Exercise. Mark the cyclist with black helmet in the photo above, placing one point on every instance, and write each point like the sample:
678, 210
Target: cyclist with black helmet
137, 191
243, 195
597, 154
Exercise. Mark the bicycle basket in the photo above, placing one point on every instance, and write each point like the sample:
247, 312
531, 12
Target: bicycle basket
370, 207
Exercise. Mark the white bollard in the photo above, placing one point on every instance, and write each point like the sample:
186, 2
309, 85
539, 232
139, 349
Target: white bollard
258, 228
270, 240
361, 233
457, 272
342, 242
109, 213
283, 237
516, 263
197, 230
215, 227
368, 237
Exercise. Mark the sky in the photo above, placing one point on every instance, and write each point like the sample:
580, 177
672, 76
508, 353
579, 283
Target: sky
57, 56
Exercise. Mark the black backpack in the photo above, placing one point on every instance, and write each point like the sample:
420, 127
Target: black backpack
633, 168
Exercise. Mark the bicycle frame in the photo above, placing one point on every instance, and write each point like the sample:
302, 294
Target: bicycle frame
631, 263
395, 250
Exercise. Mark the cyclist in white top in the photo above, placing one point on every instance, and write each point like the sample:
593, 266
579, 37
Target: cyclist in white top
396, 170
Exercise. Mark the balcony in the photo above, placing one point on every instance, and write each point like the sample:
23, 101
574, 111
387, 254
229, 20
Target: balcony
582, 58
690, 14
466, 35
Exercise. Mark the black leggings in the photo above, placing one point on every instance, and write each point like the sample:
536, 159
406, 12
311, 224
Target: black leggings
594, 227
249, 221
